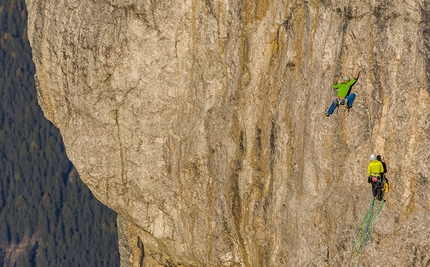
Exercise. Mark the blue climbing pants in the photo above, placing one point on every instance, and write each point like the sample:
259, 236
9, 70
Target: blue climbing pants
349, 99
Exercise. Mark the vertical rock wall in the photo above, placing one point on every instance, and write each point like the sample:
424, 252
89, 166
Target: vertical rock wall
202, 124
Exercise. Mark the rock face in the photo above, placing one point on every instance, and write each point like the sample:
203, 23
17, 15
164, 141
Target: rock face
202, 124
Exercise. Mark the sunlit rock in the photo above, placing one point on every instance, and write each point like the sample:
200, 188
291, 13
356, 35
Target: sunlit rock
202, 124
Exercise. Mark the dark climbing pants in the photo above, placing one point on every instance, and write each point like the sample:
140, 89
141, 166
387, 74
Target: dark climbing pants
377, 189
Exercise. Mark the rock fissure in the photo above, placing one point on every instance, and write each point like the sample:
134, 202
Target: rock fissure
121, 152
142, 251
236, 200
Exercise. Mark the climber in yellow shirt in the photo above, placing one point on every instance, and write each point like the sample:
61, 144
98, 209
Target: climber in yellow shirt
375, 169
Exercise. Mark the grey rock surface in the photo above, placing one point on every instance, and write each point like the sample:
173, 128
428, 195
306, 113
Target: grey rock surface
202, 124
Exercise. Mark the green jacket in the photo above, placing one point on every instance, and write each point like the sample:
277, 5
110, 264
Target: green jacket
375, 168
344, 88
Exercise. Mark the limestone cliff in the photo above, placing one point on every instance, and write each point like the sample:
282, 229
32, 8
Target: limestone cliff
202, 124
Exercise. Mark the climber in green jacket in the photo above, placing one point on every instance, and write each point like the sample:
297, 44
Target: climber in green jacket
374, 171
343, 95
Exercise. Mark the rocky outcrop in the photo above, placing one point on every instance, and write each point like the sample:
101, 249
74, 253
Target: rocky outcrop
202, 124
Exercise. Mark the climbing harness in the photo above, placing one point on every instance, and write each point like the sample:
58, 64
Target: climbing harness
339, 101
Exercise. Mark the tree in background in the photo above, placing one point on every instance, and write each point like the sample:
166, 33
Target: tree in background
48, 216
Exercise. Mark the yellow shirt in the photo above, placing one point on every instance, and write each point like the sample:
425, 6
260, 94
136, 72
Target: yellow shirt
375, 168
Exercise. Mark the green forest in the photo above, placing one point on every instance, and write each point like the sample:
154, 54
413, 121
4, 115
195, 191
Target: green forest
48, 217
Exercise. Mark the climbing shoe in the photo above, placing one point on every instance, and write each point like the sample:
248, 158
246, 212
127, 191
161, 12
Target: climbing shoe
327, 114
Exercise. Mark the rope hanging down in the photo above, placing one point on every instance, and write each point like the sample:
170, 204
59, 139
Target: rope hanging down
365, 231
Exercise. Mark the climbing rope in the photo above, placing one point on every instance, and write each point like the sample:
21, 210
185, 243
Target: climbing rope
365, 230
